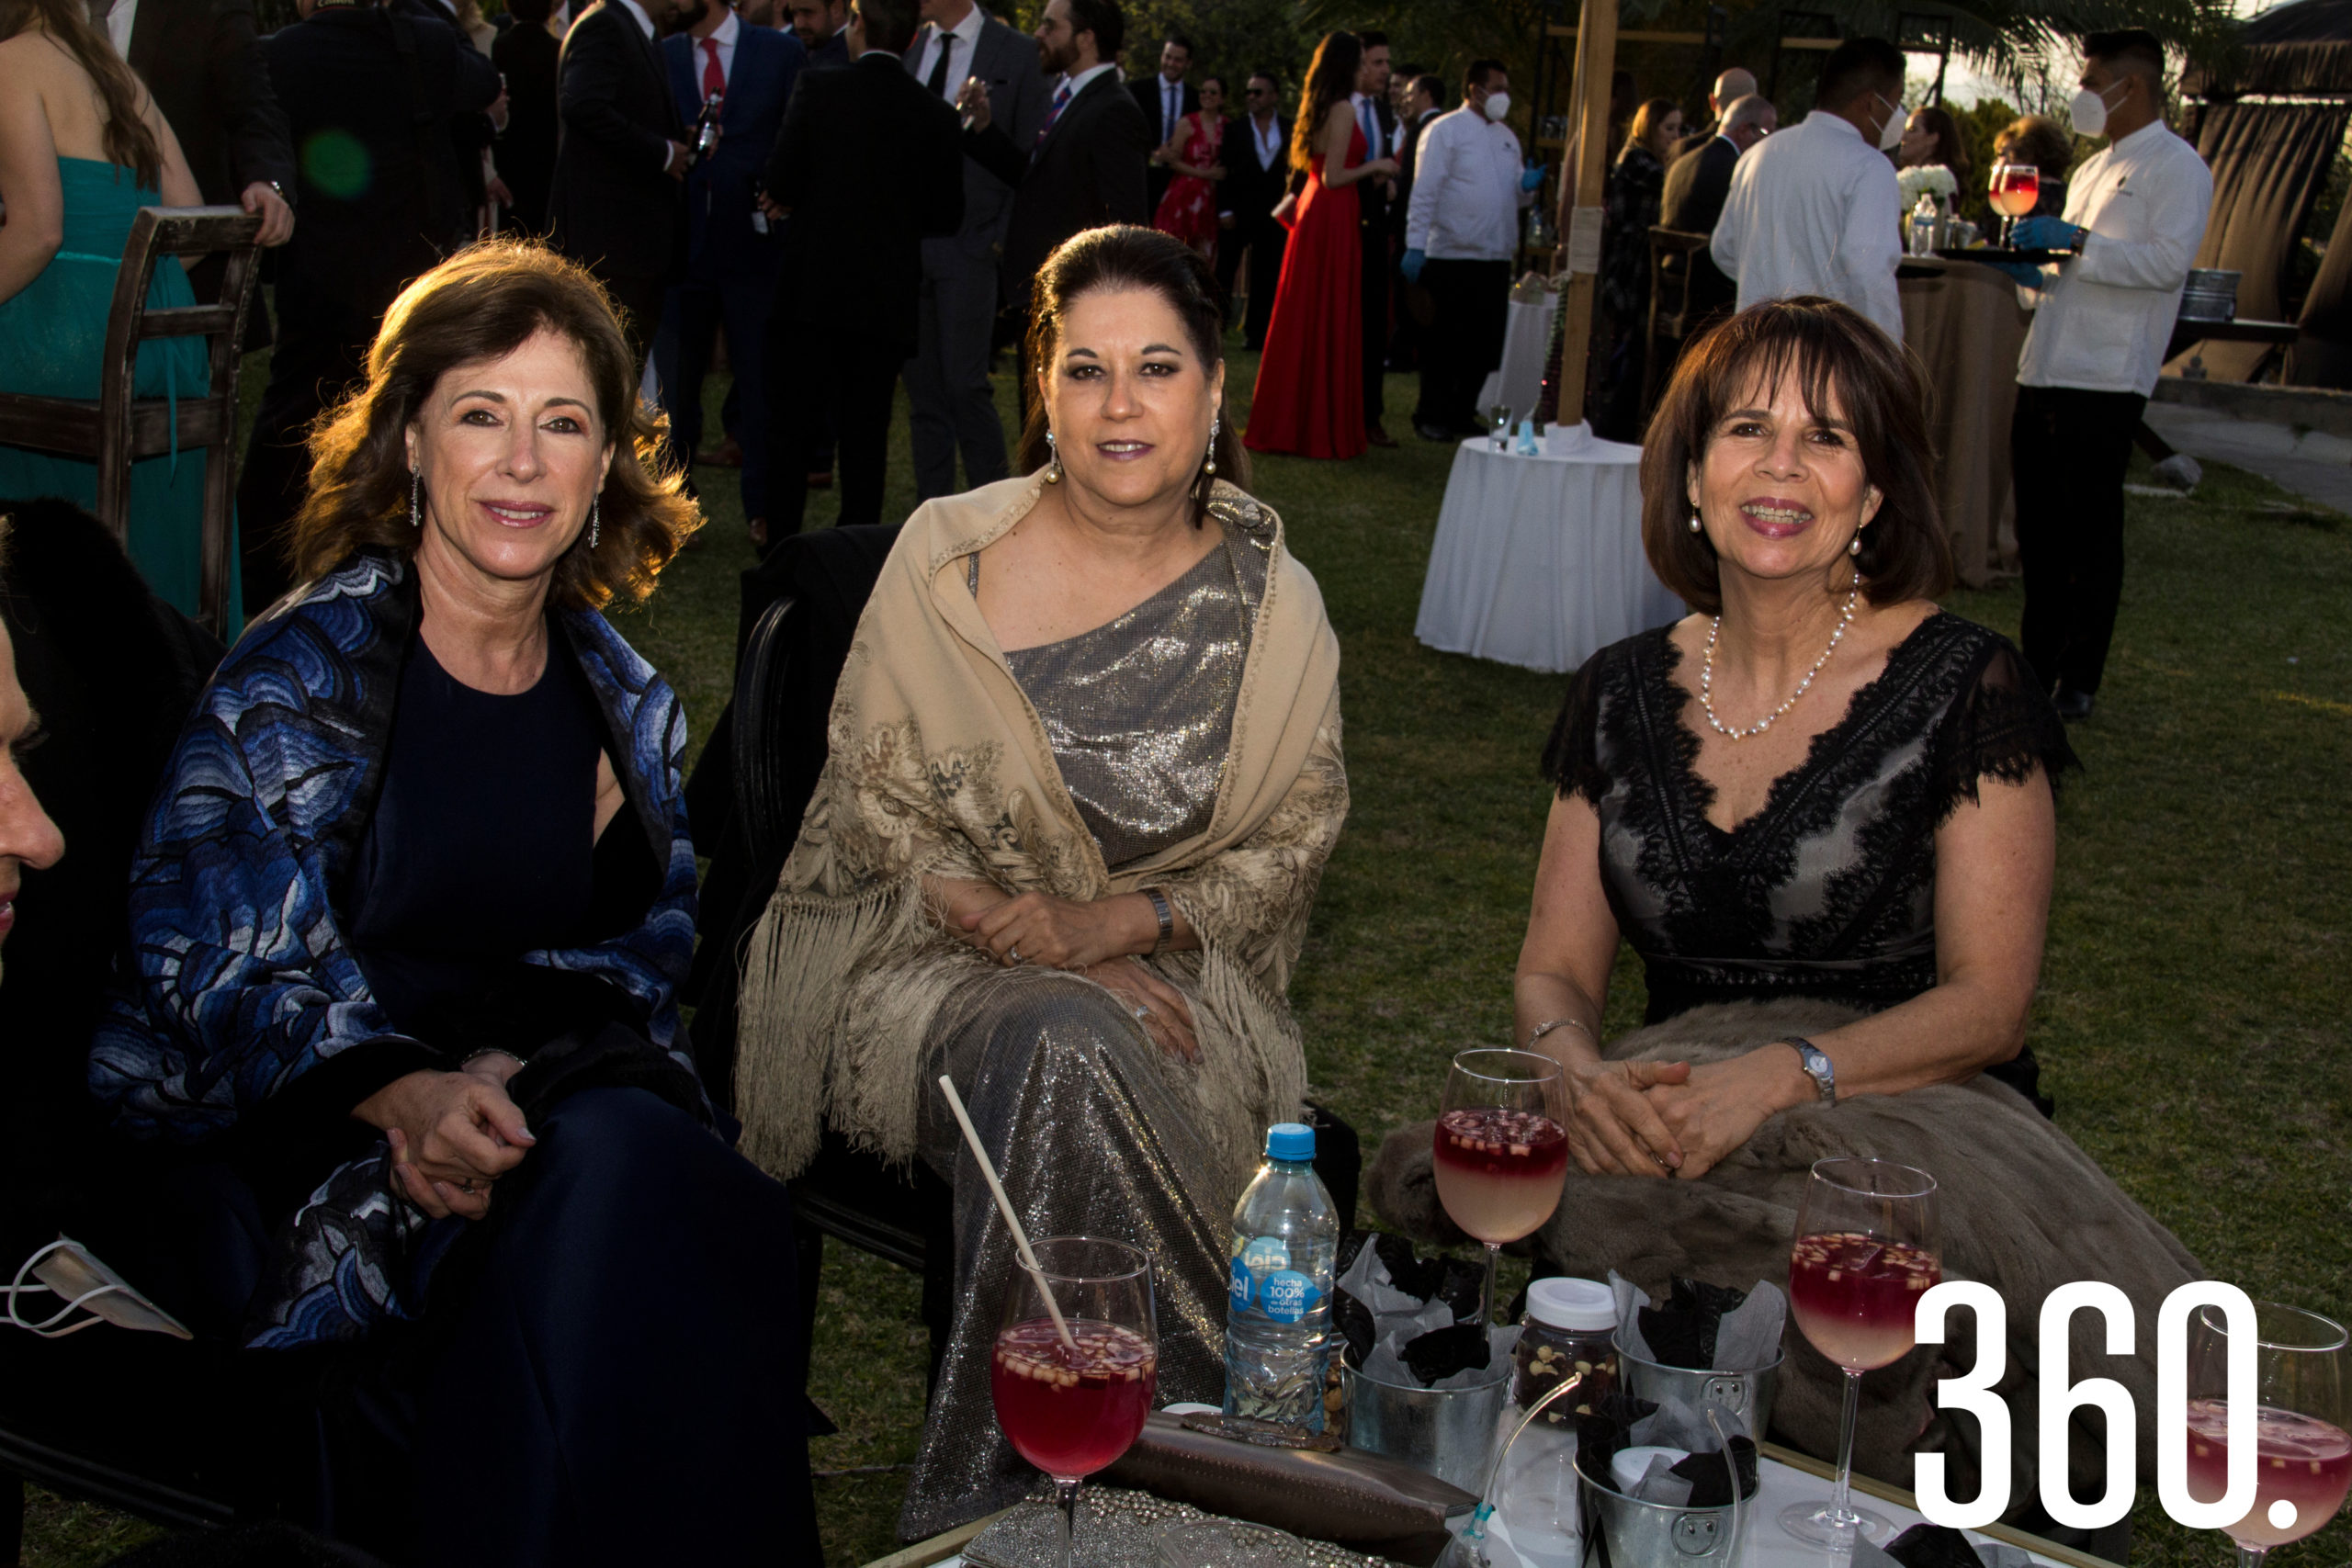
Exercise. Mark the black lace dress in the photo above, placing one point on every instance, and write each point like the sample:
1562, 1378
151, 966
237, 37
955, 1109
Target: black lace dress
1828, 891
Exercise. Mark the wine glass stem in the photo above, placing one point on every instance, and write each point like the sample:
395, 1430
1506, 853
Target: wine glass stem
1066, 1494
1486, 1293
2251, 1556
1839, 1507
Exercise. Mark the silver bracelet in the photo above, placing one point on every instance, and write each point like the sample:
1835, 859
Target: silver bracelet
1549, 1024
1166, 914
490, 1050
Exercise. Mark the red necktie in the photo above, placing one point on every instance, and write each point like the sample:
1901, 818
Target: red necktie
714, 80
1061, 102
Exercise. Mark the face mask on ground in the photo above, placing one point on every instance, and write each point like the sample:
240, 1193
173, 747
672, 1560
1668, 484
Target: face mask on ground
1890, 135
70, 1272
1497, 106
2087, 112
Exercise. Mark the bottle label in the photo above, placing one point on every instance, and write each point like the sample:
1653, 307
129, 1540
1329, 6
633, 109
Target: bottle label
1287, 1296
1241, 1290
1266, 1254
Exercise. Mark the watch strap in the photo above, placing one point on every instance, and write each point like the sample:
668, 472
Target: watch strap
1817, 1066
1167, 916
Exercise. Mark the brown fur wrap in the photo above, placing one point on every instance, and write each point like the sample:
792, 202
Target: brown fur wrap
2022, 1209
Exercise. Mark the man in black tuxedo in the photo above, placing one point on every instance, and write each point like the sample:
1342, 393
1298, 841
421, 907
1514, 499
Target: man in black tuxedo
867, 167
1730, 87
1697, 183
202, 58
1165, 98
1378, 226
343, 73
1418, 101
618, 169
1255, 156
1086, 168
822, 28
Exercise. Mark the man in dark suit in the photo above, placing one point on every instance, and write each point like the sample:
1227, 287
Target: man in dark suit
950, 405
1696, 184
525, 56
1255, 156
866, 166
201, 59
386, 85
730, 279
822, 28
1730, 87
616, 206
1085, 168
1373, 196
1419, 100
1165, 98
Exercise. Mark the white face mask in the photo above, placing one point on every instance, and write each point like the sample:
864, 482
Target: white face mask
1890, 135
70, 1272
1497, 106
2087, 112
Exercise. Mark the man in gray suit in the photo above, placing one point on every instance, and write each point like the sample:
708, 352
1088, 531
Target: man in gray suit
949, 402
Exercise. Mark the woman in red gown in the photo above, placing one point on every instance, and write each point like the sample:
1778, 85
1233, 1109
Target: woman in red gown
1309, 399
1189, 209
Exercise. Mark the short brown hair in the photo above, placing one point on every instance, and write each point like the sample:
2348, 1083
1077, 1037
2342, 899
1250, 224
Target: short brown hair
484, 303
1840, 360
2040, 141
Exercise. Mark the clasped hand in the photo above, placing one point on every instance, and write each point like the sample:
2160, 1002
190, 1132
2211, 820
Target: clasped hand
1669, 1118
1097, 939
452, 1134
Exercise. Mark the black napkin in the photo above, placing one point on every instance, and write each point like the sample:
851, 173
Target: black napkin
1710, 1484
1933, 1546
1682, 1333
1442, 1352
1355, 1324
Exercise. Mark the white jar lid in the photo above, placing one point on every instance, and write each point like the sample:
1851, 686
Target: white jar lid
1576, 1305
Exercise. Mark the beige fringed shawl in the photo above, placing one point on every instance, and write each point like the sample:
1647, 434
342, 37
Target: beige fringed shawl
940, 767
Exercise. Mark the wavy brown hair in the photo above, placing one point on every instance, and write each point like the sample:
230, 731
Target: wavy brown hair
129, 141
481, 304
1330, 79
1124, 256
1841, 361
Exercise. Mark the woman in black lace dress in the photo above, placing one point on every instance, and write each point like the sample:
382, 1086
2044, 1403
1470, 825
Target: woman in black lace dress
1819, 786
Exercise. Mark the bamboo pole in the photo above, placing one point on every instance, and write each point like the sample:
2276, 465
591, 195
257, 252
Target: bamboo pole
1595, 63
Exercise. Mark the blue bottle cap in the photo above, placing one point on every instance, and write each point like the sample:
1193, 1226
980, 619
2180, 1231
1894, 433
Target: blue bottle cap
1290, 1141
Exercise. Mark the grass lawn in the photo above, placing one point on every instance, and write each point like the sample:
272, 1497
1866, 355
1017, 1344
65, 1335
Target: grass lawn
2192, 1016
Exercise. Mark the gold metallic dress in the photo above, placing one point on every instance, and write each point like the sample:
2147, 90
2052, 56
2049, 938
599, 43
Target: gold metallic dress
1073, 1100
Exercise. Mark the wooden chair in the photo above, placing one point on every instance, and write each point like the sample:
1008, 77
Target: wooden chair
1668, 324
116, 428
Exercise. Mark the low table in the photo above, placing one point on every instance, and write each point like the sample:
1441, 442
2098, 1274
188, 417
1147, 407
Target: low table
1538, 560
1783, 1477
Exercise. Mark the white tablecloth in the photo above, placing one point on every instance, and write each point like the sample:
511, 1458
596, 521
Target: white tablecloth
1527, 338
1538, 560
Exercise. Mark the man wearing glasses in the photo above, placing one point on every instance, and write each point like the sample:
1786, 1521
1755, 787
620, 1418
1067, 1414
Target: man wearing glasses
1256, 157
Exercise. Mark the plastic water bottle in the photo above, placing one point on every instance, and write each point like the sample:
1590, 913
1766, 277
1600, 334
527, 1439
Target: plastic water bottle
1278, 1308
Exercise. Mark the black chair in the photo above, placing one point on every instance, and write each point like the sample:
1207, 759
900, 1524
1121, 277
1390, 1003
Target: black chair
1672, 252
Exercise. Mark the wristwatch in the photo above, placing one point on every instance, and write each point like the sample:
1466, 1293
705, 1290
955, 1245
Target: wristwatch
1166, 915
1816, 1066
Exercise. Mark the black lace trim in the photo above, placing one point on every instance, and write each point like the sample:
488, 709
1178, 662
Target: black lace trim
2004, 729
1572, 756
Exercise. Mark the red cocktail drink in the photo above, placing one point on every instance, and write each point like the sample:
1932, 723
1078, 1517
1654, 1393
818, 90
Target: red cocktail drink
2014, 191
2305, 1460
1499, 1171
1071, 1411
1856, 1297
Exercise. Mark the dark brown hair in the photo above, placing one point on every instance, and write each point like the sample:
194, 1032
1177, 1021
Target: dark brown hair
1841, 361
128, 142
2041, 141
484, 303
1119, 257
1330, 79
1646, 121
1951, 149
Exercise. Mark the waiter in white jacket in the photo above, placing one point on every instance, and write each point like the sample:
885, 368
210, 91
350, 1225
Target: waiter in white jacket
1815, 209
2136, 213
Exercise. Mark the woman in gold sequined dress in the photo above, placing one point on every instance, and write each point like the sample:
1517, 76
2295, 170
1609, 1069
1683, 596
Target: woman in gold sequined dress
1084, 773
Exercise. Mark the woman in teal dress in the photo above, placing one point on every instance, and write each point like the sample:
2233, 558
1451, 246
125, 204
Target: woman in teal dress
83, 148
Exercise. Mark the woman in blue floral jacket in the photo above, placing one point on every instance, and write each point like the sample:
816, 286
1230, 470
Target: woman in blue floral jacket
408, 924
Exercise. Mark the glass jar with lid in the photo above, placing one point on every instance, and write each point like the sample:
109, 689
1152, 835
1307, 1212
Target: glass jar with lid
1569, 1332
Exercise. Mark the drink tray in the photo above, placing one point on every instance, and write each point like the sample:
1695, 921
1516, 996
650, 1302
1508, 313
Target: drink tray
2006, 254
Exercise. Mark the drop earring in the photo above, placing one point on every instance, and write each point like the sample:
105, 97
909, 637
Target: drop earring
1855, 546
595, 509
415, 498
1054, 460
1696, 526
1217, 424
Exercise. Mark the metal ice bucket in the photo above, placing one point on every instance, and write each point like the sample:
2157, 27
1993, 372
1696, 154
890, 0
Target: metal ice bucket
2211, 294
1747, 1395
1445, 1432
1653, 1535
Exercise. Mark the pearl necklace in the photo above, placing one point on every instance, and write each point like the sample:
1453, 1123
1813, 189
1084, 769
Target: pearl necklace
1707, 674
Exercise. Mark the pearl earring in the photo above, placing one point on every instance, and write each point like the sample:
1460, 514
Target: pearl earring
1855, 548
1054, 465
1217, 423
595, 509
1696, 526
415, 497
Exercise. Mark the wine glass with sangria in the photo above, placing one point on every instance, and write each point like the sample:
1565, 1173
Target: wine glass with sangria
2302, 1426
1865, 1253
1077, 1362
2017, 188
1500, 1152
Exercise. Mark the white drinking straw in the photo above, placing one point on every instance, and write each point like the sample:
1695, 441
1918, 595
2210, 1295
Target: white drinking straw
1004, 1207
